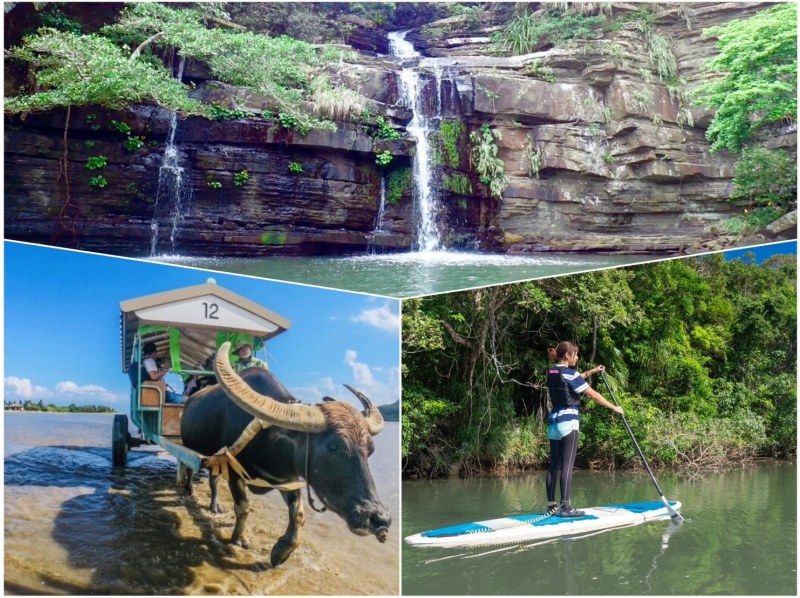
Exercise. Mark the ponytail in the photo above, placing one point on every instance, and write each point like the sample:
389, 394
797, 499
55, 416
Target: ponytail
558, 352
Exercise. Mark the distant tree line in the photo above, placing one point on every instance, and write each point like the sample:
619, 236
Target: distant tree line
701, 353
71, 408
390, 412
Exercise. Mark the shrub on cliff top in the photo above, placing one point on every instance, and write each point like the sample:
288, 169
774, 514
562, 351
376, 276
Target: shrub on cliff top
338, 103
77, 70
527, 31
280, 68
757, 62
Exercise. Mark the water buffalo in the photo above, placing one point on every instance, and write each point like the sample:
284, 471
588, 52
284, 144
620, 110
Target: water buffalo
326, 444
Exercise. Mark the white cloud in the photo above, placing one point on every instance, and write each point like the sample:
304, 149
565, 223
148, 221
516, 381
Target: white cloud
380, 384
379, 388
383, 318
313, 393
23, 388
88, 391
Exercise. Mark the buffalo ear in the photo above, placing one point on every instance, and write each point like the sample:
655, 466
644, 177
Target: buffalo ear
328, 399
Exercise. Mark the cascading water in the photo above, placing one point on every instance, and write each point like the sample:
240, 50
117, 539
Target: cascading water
420, 127
381, 208
170, 196
378, 229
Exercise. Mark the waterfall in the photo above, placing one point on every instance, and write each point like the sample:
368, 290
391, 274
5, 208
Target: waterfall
381, 208
377, 228
420, 127
171, 195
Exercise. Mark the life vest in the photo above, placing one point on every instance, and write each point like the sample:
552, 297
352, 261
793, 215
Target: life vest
561, 394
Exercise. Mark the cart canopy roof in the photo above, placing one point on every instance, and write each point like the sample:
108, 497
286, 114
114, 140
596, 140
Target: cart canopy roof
188, 324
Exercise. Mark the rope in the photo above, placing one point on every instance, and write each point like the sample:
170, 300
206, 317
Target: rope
225, 459
311, 502
546, 515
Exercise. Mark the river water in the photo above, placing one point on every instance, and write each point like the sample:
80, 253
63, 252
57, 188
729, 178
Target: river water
409, 274
740, 537
74, 526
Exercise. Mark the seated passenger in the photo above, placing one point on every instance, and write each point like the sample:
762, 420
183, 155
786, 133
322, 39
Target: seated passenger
156, 373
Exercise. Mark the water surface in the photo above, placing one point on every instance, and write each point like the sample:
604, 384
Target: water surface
740, 537
75, 526
410, 274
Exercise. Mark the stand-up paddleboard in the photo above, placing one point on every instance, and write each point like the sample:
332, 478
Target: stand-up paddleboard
538, 526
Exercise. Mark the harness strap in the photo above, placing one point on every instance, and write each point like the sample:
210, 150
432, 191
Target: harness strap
225, 459
311, 502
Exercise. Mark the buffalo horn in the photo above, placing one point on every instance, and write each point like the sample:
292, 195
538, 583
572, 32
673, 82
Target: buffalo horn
372, 415
302, 418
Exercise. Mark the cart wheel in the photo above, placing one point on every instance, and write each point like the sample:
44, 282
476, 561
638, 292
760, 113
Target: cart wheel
119, 440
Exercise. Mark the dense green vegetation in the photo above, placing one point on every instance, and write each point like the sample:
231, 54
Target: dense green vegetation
71, 408
398, 181
448, 139
757, 64
753, 86
78, 70
120, 65
457, 183
701, 353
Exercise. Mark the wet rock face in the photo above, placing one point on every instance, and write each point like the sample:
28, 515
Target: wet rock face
600, 155
317, 193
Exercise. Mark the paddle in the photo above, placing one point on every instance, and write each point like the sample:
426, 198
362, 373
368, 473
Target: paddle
676, 517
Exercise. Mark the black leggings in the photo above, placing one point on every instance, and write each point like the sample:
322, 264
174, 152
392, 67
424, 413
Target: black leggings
562, 456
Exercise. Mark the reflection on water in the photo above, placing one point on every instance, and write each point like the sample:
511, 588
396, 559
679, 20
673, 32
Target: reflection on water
739, 537
74, 525
409, 274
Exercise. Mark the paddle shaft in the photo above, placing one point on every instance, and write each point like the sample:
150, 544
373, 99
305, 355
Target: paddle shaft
673, 513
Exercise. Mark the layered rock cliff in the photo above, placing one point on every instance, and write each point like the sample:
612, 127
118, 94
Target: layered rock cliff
600, 155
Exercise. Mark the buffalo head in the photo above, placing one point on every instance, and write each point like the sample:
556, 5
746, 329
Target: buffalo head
337, 444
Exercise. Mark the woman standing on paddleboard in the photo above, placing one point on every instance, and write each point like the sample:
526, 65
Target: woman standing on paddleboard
566, 385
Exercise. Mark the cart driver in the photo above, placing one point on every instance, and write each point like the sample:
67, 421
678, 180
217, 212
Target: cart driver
244, 351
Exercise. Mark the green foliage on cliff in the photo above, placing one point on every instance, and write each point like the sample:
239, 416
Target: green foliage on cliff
383, 158
528, 32
537, 70
55, 18
449, 136
659, 50
241, 177
489, 167
754, 76
701, 353
98, 182
217, 112
78, 70
751, 220
398, 181
457, 183
282, 68
96, 162
384, 130
766, 178
120, 66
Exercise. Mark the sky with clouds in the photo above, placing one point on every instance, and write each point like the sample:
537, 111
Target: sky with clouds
62, 336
